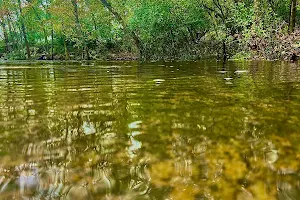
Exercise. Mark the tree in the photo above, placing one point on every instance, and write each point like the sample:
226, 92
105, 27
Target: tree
293, 15
149, 29
79, 29
3, 26
118, 17
23, 29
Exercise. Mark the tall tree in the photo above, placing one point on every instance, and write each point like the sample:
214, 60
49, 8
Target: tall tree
293, 15
23, 28
5, 34
119, 18
79, 29
43, 27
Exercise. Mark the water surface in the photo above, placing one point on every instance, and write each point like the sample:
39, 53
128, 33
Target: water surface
185, 130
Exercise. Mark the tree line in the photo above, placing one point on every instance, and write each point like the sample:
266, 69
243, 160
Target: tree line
148, 29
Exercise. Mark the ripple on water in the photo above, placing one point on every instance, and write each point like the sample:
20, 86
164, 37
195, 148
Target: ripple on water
150, 131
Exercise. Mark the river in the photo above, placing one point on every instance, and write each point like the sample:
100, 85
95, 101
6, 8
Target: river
130, 130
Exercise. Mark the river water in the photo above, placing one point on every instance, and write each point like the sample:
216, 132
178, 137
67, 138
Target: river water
129, 130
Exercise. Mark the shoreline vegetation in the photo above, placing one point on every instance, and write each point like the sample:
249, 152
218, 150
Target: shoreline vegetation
151, 30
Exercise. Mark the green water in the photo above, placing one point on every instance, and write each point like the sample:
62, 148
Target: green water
174, 131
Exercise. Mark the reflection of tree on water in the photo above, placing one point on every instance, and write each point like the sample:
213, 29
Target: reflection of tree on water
96, 136
237, 152
80, 137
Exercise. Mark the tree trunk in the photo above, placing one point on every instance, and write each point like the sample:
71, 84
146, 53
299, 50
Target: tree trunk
52, 43
224, 52
293, 15
79, 29
256, 11
7, 47
11, 35
67, 54
23, 29
66, 49
94, 21
44, 31
118, 17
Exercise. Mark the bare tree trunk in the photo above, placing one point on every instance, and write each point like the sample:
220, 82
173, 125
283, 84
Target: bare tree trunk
118, 17
23, 29
293, 15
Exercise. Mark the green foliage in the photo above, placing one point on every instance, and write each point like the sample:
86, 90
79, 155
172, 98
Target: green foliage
166, 26
155, 29
241, 18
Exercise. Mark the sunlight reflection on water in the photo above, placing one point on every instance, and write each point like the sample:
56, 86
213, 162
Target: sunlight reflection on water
190, 130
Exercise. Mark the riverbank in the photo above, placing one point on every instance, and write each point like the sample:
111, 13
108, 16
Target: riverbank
276, 46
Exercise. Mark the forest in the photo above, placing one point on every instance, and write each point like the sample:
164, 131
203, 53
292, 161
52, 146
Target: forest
149, 29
